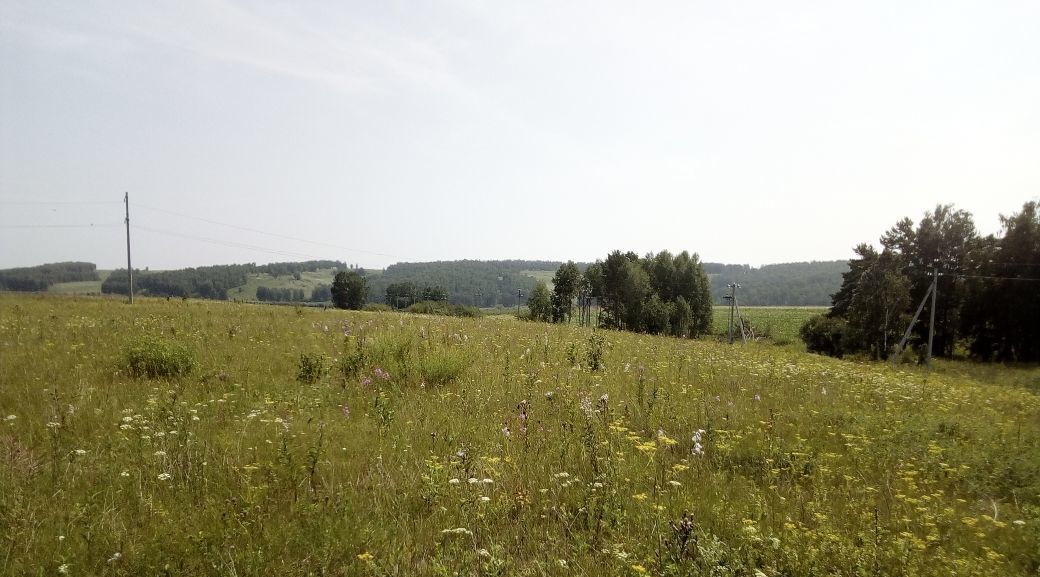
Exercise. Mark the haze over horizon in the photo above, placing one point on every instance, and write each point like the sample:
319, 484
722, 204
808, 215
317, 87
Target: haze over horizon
750, 132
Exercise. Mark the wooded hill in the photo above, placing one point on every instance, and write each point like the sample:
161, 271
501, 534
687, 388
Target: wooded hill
789, 284
467, 282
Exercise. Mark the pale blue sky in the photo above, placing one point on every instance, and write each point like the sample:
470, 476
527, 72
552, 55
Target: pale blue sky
750, 132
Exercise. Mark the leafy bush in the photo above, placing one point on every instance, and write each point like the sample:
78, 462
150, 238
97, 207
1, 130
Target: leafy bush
829, 336
153, 357
443, 308
312, 367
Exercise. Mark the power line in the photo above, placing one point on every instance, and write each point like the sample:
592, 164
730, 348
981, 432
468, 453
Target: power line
104, 225
258, 231
994, 277
2, 202
231, 244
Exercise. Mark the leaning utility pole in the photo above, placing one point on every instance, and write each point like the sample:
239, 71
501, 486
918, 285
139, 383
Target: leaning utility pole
129, 269
932, 290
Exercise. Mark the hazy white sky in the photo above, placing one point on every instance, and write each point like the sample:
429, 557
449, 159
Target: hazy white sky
749, 132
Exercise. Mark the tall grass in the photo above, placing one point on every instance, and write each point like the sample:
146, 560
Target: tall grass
448, 446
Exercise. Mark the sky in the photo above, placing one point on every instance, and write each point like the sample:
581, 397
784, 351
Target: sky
377, 132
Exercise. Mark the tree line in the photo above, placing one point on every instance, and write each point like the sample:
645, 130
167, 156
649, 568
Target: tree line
657, 293
787, 284
215, 282
986, 303
472, 282
40, 278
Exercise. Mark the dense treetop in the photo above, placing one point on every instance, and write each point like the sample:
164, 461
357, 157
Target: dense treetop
985, 291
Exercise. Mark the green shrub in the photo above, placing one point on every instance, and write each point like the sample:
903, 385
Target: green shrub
312, 367
443, 367
153, 357
829, 336
444, 308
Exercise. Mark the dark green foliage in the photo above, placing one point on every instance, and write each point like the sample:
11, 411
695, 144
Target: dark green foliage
443, 308
208, 282
434, 293
321, 293
787, 284
1001, 316
480, 283
878, 308
40, 278
827, 335
268, 294
213, 282
153, 357
349, 290
594, 351
842, 299
312, 367
641, 294
986, 295
945, 238
402, 294
540, 303
565, 288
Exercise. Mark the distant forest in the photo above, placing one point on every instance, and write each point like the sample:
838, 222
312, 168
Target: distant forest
790, 284
40, 278
470, 282
464, 282
208, 282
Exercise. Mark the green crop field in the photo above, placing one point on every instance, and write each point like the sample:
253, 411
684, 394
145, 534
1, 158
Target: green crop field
216, 438
778, 324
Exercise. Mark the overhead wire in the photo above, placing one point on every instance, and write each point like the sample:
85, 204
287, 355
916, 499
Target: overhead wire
232, 244
258, 231
103, 225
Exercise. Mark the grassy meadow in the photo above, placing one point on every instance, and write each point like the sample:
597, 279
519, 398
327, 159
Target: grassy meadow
213, 438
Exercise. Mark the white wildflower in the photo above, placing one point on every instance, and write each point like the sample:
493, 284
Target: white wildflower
165, 476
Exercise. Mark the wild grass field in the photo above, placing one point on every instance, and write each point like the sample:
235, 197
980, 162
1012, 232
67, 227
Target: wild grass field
212, 438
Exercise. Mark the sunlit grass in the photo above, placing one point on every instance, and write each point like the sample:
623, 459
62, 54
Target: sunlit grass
342, 443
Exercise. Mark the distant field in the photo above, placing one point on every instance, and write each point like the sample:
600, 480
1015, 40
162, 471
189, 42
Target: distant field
542, 275
780, 324
308, 281
81, 287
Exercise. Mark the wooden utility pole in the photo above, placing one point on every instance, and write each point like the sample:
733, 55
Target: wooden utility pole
519, 293
129, 269
931, 320
732, 298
